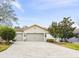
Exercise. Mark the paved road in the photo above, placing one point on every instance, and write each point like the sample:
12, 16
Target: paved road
37, 49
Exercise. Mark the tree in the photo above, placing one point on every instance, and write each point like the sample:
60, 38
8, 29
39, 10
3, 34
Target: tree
63, 29
53, 29
7, 33
7, 13
66, 29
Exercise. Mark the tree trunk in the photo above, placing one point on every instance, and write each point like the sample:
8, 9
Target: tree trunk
65, 40
55, 39
7, 42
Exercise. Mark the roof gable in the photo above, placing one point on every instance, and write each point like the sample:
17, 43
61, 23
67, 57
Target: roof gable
35, 29
36, 26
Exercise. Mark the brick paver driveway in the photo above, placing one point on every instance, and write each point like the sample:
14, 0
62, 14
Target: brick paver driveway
38, 49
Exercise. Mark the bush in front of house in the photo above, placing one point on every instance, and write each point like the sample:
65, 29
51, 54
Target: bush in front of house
50, 40
7, 33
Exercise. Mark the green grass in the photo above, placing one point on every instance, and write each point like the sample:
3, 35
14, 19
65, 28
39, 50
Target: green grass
70, 45
67, 45
3, 46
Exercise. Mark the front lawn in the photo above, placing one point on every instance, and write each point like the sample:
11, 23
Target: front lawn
65, 44
3, 46
70, 45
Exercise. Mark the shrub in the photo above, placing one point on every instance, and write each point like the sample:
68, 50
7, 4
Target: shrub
61, 41
50, 40
7, 33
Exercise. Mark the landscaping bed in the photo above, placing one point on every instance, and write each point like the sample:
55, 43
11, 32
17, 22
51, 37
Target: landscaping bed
4, 46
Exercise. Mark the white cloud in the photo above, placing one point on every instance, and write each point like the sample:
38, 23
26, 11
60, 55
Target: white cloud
47, 4
17, 5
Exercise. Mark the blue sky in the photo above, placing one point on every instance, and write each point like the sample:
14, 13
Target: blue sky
43, 12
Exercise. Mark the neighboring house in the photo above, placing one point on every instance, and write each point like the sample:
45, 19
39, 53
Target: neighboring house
76, 31
74, 39
32, 33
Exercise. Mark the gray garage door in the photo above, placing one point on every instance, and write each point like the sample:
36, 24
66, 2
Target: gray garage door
19, 37
35, 37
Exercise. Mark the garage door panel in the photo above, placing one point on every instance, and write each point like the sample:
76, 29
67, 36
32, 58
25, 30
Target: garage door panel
35, 37
19, 36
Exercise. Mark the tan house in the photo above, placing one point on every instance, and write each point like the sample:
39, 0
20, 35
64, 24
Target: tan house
32, 33
37, 33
